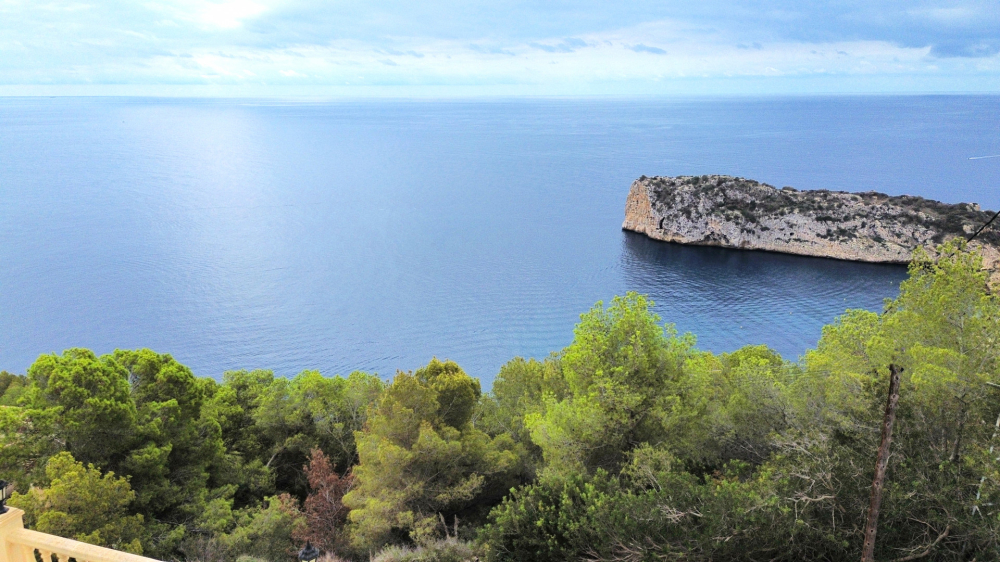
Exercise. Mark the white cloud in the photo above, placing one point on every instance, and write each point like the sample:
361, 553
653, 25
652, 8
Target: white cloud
954, 15
607, 57
439, 42
211, 15
228, 15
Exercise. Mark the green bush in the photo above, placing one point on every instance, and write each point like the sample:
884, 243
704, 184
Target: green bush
447, 550
553, 519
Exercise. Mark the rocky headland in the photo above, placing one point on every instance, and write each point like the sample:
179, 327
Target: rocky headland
739, 213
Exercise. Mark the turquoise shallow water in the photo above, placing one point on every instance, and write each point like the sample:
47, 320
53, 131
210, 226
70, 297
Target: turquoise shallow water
374, 235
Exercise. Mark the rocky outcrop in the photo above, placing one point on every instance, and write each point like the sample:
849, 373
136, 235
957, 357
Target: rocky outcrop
740, 213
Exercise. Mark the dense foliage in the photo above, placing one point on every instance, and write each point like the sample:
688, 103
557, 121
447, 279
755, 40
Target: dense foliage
630, 444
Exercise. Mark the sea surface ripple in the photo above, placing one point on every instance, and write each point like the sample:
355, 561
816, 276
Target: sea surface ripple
374, 235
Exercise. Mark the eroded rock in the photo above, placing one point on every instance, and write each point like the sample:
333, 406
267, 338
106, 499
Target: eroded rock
739, 213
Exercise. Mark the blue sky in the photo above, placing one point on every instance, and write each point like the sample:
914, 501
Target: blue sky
477, 47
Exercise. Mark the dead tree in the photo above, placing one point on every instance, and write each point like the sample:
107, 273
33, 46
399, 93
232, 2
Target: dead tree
881, 462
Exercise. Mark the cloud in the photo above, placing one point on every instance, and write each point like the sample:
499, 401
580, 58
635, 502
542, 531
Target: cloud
640, 48
230, 14
950, 15
490, 50
985, 48
448, 42
564, 46
551, 48
396, 53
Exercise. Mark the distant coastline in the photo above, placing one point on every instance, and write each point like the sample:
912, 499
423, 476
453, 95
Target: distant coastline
732, 212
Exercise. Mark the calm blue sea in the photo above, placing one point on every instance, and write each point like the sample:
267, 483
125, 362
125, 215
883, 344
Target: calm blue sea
374, 235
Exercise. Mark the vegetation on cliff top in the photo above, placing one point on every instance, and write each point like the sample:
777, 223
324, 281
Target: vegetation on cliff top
751, 201
631, 444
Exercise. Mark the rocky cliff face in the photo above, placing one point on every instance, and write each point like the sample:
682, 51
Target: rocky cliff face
740, 213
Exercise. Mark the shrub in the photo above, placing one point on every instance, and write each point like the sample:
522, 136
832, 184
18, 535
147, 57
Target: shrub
447, 550
83, 504
556, 519
330, 557
266, 533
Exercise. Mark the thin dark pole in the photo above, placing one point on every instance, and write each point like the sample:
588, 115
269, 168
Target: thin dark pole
982, 228
882, 461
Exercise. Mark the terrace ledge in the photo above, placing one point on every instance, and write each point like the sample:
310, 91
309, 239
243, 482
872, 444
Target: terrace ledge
18, 544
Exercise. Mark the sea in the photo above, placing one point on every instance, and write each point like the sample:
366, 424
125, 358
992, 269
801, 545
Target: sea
343, 235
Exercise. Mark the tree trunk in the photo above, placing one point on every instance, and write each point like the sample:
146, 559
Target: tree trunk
882, 461
958, 438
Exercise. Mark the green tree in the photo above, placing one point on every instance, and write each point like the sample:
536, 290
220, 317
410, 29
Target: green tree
234, 405
422, 461
267, 532
262, 532
312, 411
82, 504
175, 447
28, 438
942, 331
89, 399
520, 389
11, 388
618, 370
656, 510
75, 402
809, 433
727, 407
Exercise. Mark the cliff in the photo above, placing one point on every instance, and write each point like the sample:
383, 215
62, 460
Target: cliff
740, 213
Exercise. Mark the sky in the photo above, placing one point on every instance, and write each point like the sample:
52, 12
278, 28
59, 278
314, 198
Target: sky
498, 47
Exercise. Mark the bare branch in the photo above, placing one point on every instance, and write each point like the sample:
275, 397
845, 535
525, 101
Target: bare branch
927, 550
